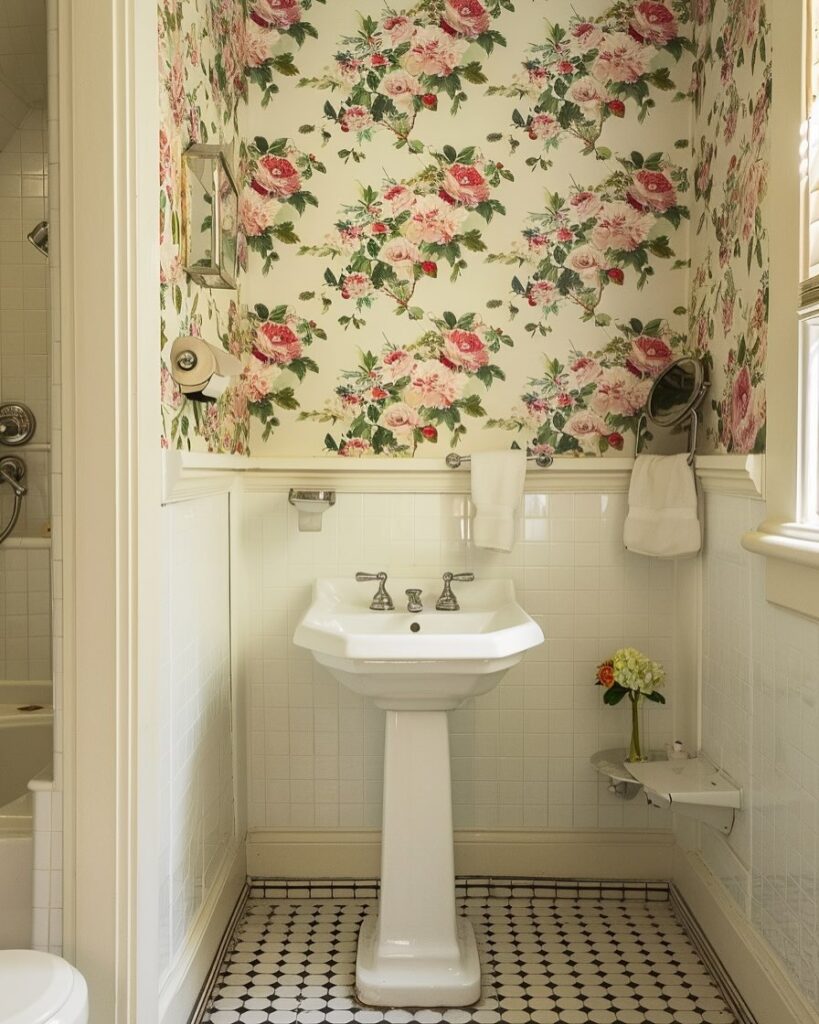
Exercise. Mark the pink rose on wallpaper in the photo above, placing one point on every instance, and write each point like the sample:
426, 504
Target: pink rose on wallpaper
587, 427
585, 370
276, 343
650, 355
465, 184
544, 126
728, 306
588, 94
620, 59
356, 286
467, 17
176, 90
537, 409
752, 11
587, 262
355, 447
166, 167
258, 44
652, 190
433, 385
349, 69
433, 52
170, 393
433, 220
620, 393
255, 214
397, 364
400, 29
542, 293
585, 205
275, 176
653, 23
620, 227
401, 87
257, 380
745, 421
730, 123
464, 349
756, 185
702, 11
401, 198
399, 418
280, 14
349, 237
587, 36
356, 119
401, 254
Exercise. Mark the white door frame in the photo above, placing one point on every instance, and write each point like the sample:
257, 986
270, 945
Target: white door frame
109, 284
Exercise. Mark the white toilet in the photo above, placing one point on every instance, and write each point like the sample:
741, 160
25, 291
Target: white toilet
38, 988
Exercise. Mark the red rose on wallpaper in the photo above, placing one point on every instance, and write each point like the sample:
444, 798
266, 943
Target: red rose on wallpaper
276, 343
465, 349
653, 23
465, 184
275, 176
650, 355
467, 17
652, 190
280, 14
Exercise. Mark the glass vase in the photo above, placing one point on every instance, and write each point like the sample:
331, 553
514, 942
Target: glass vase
635, 752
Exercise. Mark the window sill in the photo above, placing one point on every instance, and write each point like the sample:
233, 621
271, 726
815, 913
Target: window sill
792, 569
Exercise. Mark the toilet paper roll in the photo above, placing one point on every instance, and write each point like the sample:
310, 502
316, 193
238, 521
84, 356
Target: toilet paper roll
200, 369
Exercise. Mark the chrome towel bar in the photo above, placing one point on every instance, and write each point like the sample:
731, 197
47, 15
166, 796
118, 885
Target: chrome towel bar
543, 461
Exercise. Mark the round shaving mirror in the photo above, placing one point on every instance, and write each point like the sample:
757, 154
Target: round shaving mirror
677, 392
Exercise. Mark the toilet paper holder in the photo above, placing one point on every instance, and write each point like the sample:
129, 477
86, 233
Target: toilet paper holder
311, 506
201, 370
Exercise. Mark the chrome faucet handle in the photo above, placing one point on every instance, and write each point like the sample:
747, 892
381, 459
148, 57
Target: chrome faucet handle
448, 602
381, 602
414, 603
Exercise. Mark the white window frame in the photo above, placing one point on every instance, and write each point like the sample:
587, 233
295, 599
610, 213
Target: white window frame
789, 537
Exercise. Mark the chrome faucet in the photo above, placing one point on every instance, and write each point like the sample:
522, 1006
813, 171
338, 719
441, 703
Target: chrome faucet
414, 603
448, 602
381, 602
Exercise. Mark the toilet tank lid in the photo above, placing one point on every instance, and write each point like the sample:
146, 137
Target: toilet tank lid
33, 986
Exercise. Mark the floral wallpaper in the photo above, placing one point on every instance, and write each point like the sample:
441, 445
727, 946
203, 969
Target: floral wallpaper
728, 314
464, 222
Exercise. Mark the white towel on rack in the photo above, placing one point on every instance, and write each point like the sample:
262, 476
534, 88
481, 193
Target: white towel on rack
497, 489
662, 520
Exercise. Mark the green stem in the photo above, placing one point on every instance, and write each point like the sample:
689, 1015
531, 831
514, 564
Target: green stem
635, 752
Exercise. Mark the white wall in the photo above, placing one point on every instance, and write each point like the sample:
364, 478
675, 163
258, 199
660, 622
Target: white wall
760, 708
197, 811
520, 755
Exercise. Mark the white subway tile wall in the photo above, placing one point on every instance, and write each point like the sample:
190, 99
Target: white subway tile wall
760, 712
47, 902
25, 613
520, 754
197, 806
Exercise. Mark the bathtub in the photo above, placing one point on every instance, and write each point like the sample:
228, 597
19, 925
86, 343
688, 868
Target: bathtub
26, 744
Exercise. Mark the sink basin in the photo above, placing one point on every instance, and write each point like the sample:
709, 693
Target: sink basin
417, 950
430, 661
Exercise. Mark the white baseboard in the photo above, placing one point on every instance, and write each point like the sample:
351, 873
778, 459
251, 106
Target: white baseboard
538, 853
182, 984
757, 972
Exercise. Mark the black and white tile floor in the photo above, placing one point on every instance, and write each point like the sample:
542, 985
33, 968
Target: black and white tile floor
552, 960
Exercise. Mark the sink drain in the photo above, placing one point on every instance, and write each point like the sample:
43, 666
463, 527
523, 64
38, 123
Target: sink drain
415, 627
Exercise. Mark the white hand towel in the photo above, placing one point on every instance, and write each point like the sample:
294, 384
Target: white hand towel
497, 489
662, 517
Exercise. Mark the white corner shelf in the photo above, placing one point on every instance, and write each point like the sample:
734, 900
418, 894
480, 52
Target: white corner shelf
693, 787
612, 764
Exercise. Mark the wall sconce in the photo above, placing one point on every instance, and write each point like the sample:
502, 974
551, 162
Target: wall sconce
210, 217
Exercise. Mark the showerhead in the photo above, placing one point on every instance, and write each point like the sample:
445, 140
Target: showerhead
38, 236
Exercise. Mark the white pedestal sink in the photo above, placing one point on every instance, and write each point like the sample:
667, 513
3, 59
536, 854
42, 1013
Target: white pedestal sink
417, 951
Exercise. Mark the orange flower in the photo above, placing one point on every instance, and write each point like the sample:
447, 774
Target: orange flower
605, 674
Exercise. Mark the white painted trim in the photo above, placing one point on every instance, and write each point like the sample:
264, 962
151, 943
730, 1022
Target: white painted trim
580, 853
193, 474
757, 972
183, 981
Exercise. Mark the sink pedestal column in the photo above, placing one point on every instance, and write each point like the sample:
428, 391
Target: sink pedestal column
417, 951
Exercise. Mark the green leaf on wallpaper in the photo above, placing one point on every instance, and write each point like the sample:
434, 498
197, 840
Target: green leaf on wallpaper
660, 247
329, 443
636, 158
285, 398
494, 304
330, 278
283, 63
450, 154
473, 73
415, 146
278, 314
260, 142
449, 318
471, 405
517, 287
301, 30
306, 296
261, 311
472, 240
285, 233
330, 111
680, 311
636, 325
415, 313
602, 320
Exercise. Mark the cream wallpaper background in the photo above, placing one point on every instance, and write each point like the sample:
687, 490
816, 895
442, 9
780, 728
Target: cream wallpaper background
468, 224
